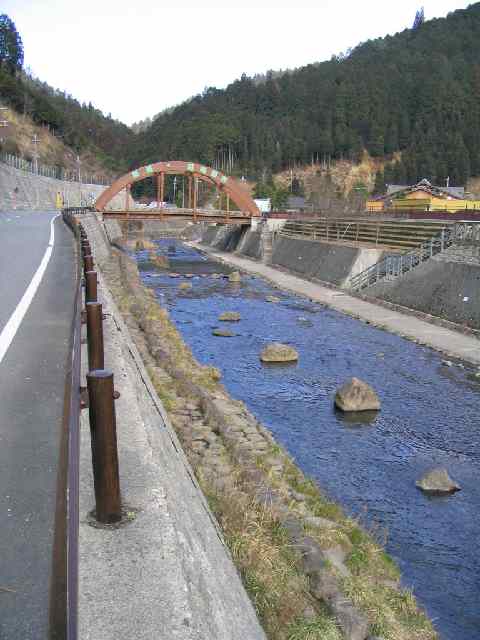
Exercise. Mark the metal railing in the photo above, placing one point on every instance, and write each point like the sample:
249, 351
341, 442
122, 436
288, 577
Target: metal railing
49, 171
395, 266
99, 397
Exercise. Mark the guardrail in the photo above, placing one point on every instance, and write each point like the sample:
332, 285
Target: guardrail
99, 397
392, 267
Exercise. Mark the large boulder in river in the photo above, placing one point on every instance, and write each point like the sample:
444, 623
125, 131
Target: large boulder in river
185, 286
235, 277
158, 260
437, 482
230, 316
277, 352
356, 395
223, 333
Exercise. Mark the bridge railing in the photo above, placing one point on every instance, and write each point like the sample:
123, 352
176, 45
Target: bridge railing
394, 266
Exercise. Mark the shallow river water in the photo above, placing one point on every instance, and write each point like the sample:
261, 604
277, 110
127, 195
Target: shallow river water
430, 416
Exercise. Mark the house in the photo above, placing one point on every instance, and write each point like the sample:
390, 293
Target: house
423, 196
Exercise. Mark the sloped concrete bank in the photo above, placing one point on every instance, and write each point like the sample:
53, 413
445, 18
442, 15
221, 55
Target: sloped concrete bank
446, 286
330, 262
296, 551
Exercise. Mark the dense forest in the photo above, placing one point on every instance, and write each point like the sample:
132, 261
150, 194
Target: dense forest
81, 126
417, 92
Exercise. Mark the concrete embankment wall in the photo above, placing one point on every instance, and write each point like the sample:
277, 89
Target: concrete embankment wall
446, 286
21, 190
326, 261
329, 262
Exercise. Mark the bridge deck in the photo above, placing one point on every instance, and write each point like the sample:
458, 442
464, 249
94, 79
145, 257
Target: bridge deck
232, 217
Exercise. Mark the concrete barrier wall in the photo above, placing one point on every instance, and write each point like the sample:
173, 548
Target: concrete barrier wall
330, 262
446, 286
251, 245
21, 190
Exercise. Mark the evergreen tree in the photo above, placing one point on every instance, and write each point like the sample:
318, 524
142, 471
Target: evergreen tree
11, 46
419, 19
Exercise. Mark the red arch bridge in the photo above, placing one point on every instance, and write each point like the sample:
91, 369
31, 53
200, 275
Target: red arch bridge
240, 207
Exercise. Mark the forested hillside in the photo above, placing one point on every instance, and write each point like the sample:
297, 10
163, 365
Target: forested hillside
417, 93
81, 126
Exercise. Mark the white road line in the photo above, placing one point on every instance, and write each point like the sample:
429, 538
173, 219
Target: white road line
17, 316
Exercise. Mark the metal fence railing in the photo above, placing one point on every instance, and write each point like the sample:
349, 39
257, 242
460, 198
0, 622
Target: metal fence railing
48, 171
394, 266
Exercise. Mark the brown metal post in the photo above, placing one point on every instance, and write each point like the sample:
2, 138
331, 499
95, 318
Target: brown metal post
190, 201
162, 186
87, 263
95, 335
195, 194
104, 446
90, 286
158, 190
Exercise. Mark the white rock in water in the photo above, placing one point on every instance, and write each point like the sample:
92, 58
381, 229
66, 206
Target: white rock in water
356, 395
277, 352
230, 316
235, 277
437, 481
272, 299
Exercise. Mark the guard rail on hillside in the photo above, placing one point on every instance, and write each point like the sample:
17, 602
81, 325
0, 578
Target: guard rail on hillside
399, 235
69, 211
48, 171
394, 266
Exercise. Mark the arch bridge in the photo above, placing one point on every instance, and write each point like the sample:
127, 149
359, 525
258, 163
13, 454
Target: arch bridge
244, 206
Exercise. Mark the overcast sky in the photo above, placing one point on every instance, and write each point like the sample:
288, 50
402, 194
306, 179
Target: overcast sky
133, 59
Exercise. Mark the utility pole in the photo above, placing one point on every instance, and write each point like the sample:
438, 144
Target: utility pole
79, 181
35, 141
3, 124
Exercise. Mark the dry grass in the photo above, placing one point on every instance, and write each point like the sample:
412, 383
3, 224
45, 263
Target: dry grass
269, 567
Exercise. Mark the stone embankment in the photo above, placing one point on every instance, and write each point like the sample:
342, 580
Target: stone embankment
308, 568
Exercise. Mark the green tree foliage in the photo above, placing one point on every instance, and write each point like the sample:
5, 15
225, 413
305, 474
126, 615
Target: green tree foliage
417, 93
11, 46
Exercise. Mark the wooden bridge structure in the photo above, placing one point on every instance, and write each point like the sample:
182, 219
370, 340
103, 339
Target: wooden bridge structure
244, 206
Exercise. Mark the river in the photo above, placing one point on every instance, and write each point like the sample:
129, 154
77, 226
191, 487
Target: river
430, 417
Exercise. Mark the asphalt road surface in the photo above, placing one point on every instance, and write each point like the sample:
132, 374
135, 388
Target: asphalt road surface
32, 383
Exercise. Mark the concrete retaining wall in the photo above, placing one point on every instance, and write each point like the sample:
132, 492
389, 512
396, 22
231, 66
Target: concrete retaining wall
329, 262
21, 190
251, 245
446, 286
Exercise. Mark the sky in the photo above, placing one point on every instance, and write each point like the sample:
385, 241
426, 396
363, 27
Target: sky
134, 59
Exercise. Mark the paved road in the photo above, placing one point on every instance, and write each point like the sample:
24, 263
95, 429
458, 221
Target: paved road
32, 379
